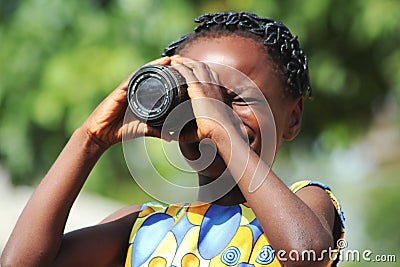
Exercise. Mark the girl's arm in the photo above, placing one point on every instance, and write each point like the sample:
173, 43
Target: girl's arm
292, 222
37, 239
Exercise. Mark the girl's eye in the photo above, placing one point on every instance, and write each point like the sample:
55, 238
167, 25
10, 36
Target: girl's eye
244, 101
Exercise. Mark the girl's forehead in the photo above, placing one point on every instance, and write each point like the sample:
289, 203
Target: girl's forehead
239, 61
239, 52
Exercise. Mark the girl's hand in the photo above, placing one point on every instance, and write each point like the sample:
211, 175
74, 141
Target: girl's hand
214, 118
105, 126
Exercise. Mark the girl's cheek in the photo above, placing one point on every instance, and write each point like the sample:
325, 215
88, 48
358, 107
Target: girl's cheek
246, 114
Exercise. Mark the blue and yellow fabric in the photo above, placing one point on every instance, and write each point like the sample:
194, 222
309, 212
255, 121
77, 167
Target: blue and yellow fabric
201, 234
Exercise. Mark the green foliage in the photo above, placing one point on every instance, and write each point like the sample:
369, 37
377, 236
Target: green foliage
383, 217
58, 59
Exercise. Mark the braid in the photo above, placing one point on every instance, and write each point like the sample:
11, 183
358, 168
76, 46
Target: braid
284, 48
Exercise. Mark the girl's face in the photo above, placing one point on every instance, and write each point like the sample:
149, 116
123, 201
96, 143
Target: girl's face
248, 57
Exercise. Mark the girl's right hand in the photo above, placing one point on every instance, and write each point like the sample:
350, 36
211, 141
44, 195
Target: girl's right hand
105, 126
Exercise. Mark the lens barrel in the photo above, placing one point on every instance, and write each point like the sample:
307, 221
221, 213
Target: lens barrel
153, 92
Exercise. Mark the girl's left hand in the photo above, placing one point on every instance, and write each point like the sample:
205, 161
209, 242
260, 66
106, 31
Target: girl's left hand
106, 123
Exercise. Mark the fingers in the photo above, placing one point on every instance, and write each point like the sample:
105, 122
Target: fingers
151, 131
197, 71
201, 79
185, 135
200, 72
135, 129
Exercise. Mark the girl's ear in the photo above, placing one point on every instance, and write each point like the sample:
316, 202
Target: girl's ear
295, 113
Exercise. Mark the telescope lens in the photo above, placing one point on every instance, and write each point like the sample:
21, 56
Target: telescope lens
153, 92
150, 94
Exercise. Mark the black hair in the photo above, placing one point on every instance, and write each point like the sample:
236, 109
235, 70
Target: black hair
283, 48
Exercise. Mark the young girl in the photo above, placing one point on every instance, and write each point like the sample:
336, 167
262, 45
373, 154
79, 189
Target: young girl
259, 222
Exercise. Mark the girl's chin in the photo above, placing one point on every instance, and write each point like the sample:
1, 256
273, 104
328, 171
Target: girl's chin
215, 169
192, 154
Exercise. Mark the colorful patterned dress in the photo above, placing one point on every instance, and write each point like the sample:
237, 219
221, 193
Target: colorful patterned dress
201, 234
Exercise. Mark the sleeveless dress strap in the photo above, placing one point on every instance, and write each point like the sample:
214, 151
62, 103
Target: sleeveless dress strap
340, 239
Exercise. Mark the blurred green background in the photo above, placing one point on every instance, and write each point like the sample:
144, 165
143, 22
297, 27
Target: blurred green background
59, 59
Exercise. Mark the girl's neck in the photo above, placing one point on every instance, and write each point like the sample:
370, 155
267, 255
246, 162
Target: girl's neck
215, 193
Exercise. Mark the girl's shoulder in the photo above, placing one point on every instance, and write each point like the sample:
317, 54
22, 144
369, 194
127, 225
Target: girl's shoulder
295, 187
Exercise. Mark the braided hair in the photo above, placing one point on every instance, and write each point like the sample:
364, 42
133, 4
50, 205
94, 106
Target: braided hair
282, 46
